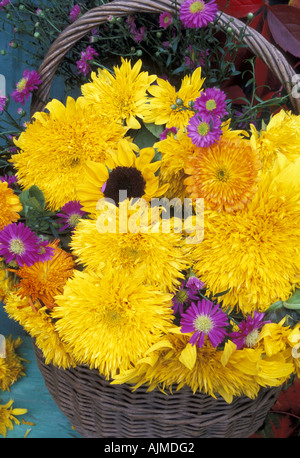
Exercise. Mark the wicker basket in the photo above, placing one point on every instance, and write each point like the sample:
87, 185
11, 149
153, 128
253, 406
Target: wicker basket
97, 409
94, 406
256, 43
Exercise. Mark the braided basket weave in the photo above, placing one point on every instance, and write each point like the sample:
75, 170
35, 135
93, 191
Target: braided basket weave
95, 407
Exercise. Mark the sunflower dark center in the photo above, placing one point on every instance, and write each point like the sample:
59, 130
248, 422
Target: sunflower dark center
127, 179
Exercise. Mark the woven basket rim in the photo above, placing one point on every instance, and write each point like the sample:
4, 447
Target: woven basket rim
260, 47
137, 408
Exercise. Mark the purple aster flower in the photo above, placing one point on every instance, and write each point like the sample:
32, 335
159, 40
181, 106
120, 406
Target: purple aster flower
83, 63
204, 319
70, 215
194, 14
167, 132
248, 331
3, 100
4, 3
211, 103
74, 13
194, 285
46, 252
18, 243
30, 82
165, 19
204, 131
9, 179
180, 298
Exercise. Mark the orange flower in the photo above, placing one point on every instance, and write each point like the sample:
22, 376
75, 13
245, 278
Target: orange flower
224, 174
9, 204
42, 281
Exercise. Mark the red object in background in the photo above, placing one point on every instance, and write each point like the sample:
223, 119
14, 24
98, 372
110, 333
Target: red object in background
283, 420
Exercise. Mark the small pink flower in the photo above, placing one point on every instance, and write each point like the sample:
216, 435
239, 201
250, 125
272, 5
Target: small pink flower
4, 3
74, 13
30, 82
165, 19
86, 56
140, 34
198, 13
203, 131
2, 102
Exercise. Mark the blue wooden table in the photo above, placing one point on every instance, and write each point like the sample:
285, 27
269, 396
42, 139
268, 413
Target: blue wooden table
30, 393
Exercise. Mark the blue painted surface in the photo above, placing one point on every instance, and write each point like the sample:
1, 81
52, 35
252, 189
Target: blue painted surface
30, 393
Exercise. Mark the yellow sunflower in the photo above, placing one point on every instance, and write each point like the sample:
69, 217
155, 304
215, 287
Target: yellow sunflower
10, 205
7, 279
225, 174
121, 95
8, 417
255, 252
44, 280
12, 365
133, 174
163, 106
281, 135
124, 237
57, 145
39, 324
109, 319
228, 372
174, 150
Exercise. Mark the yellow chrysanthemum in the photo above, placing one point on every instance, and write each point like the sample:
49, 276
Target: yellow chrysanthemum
294, 344
121, 95
38, 322
162, 107
281, 135
174, 151
10, 205
8, 417
11, 365
224, 174
7, 279
128, 243
255, 252
44, 280
57, 145
175, 362
109, 319
133, 174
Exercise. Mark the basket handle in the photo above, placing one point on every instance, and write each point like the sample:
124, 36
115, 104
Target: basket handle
259, 46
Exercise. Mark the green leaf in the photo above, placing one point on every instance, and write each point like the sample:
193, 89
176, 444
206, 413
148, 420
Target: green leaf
144, 138
33, 198
293, 303
154, 129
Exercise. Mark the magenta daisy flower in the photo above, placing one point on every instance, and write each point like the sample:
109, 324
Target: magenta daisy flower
82, 64
165, 19
10, 179
18, 243
194, 285
248, 331
74, 13
183, 297
204, 131
4, 3
70, 215
168, 131
30, 82
204, 319
211, 103
194, 13
3, 100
